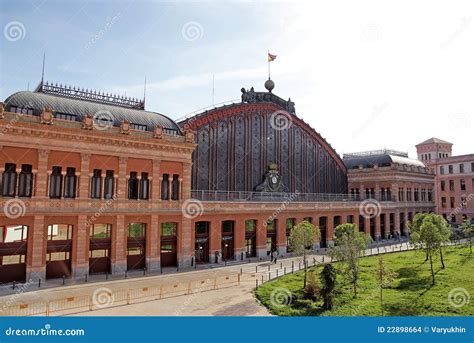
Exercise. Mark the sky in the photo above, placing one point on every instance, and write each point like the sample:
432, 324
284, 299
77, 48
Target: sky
366, 75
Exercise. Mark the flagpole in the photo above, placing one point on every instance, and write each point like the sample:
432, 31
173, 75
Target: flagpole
268, 61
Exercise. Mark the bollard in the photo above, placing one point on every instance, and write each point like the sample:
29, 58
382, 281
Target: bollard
284, 271
240, 270
314, 261
192, 261
281, 264
269, 276
268, 267
13, 284
144, 271
256, 269
277, 273
64, 279
299, 265
292, 267
39, 283
126, 274
323, 258
85, 278
177, 268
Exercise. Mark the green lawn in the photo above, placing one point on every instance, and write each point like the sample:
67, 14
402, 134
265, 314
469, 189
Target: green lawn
410, 294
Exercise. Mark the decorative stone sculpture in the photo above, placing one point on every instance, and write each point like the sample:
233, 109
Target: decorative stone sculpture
158, 132
190, 136
88, 122
125, 127
272, 181
46, 116
249, 96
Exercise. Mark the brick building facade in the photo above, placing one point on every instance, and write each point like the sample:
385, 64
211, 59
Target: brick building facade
93, 183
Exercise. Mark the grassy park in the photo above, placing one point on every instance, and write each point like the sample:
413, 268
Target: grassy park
411, 292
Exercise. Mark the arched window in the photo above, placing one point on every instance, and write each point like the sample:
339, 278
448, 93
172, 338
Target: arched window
133, 186
96, 184
9, 180
175, 188
70, 183
55, 183
144, 187
25, 183
109, 184
165, 187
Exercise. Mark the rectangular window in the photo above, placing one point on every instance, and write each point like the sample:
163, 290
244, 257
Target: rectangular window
13, 233
441, 170
96, 184
59, 232
461, 168
463, 185
138, 127
9, 180
100, 231
169, 229
25, 182
443, 202
250, 225
98, 253
12, 259
65, 116
451, 185
70, 181
472, 167
452, 202
443, 184
55, 183
135, 251
450, 168
58, 256
136, 230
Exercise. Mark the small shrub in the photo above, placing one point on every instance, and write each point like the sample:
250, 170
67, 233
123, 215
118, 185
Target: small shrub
312, 289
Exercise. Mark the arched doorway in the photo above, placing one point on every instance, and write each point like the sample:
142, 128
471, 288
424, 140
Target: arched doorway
136, 245
169, 234
13, 248
201, 245
99, 248
59, 247
228, 240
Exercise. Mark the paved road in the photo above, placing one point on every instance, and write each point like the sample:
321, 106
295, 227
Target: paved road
232, 300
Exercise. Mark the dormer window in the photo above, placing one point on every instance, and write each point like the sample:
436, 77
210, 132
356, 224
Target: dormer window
21, 110
65, 116
138, 127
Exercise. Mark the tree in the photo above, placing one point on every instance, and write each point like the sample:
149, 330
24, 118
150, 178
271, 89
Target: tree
384, 277
328, 281
302, 237
349, 247
467, 229
429, 231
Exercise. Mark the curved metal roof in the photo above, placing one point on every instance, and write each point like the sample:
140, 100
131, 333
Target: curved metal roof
80, 108
382, 160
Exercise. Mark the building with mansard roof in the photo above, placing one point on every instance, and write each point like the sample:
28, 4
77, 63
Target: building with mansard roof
94, 183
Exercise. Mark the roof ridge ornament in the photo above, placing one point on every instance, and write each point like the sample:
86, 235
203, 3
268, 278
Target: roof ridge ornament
91, 95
